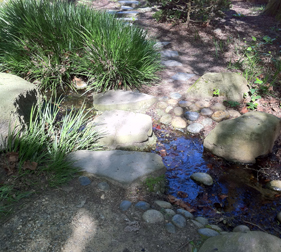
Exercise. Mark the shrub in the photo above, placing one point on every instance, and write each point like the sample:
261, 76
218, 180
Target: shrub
189, 10
53, 42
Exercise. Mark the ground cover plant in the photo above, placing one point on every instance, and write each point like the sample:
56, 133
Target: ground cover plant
53, 42
39, 151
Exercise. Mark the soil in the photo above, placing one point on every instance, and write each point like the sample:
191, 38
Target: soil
84, 218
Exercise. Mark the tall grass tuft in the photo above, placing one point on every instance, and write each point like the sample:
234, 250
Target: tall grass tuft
54, 41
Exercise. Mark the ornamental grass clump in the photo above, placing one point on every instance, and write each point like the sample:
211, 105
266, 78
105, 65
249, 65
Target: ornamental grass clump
52, 42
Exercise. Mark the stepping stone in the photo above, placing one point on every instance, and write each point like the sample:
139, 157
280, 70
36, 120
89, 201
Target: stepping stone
144, 9
160, 45
123, 128
113, 12
171, 63
126, 8
123, 100
128, 19
127, 14
169, 54
182, 76
129, 3
120, 167
153, 216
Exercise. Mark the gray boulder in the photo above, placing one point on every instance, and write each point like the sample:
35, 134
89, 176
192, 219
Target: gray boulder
252, 241
230, 85
244, 138
17, 96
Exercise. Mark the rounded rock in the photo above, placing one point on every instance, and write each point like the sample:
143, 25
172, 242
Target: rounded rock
192, 116
185, 213
125, 205
169, 213
202, 177
195, 128
166, 119
170, 228
163, 204
202, 104
175, 96
84, 181
168, 109
206, 112
202, 220
207, 232
279, 216
172, 101
142, 205
220, 115
241, 228
179, 221
218, 106
274, 185
153, 216
193, 108
215, 227
197, 224
184, 104
233, 113
178, 111
162, 105
163, 98
178, 122
207, 122
103, 186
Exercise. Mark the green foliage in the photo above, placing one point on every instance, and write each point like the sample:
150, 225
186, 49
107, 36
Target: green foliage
216, 92
232, 104
94, 45
151, 182
178, 10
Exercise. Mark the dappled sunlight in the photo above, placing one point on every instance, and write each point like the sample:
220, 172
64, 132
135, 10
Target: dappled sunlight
84, 227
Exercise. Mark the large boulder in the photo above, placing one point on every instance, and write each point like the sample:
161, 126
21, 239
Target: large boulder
16, 99
230, 85
244, 138
252, 241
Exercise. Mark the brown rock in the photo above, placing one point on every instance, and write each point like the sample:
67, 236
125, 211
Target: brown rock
220, 115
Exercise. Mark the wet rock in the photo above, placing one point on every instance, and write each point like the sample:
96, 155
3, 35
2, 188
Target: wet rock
253, 241
171, 63
218, 107
274, 185
168, 109
142, 205
179, 221
125, 205
207, 232
195, 128
162, 105
84, 181
202, 220
175, 96
184, 104
202, 177
230, 85
169, 54
170, 228
206, 112
241, 228
178, 111
182, 76
179, 123
173, 102
103, 186
185, 213
207, 122
163, 204
166, 119
233, 113
169, 213
215, 227
244, 138
279, 216
192, 116
153, 216
218, 116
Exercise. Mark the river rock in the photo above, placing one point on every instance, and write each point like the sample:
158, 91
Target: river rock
170, 228
162, 105
168, 109
193, 108
185, 213
218, 107
163, 204
166, 119
182, 76
279, 216
206, 112
84, 181
197, 224
175, 96
202, 177
241, 228
192, 116
142, 205
253, 241
274, 185
184, 104
202, 220
125, 205
244, 138
103, 186
169, 213
231, 85
178, 111
207, 232
173, 102
207, 122
202, 104
178, 122
220, 115
171, 63
153, 216
234, 113
195, 128
169, 54
179, 221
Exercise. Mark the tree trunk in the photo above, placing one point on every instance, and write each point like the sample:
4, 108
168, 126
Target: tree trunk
273, 8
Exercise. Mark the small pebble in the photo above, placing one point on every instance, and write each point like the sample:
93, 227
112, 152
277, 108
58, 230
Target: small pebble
84, 181
125, 205
241, 228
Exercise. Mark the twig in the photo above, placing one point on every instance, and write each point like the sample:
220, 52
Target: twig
254, 225
182, 246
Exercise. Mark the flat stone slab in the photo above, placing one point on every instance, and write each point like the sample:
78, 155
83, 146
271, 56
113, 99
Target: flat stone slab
123, 127
17, 96
129, 3
123, 100
119, 167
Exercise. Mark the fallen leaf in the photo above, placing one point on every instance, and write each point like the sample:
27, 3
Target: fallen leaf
163, 153
180, 203
182, 194
223, 196
244, 110
12, 156
29, 165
